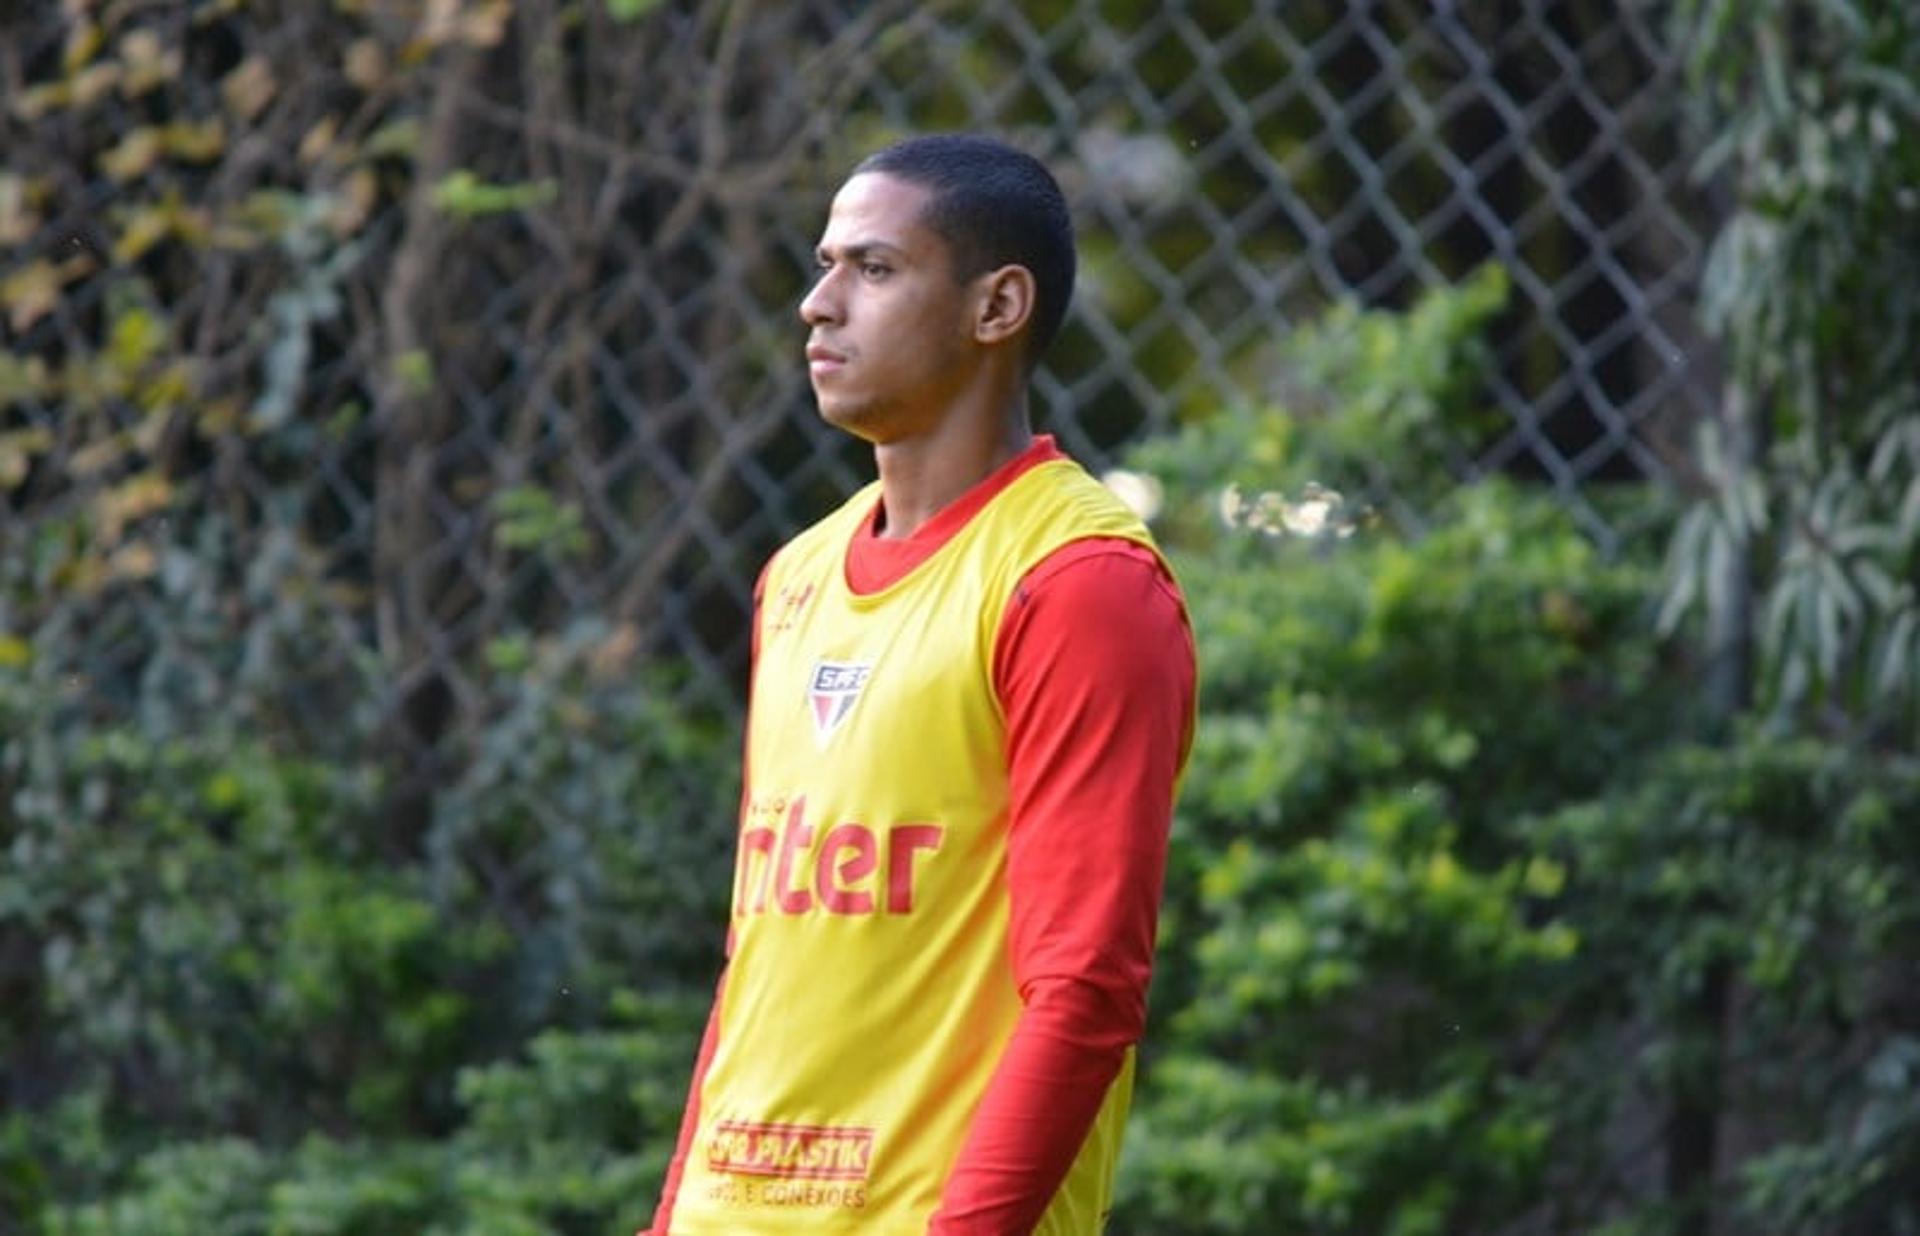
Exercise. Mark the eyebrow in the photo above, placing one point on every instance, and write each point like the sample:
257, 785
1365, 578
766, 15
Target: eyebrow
861, 250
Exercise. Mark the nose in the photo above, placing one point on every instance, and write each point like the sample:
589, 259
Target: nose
821, 304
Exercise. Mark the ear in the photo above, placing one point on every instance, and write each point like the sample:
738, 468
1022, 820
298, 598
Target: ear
1005, 305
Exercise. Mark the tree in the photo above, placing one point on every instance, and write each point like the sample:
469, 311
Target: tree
1809, 483
1801, 550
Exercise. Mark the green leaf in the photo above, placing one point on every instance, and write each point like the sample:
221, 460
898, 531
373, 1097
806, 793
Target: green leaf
465, 196
630, 10
529, 517
137, 336
413, 370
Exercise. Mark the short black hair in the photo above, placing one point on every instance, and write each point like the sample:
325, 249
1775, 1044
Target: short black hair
994, 206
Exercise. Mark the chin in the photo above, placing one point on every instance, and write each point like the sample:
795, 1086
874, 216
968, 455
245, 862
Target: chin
861, 420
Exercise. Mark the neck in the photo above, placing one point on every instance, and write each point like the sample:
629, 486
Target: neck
921, 474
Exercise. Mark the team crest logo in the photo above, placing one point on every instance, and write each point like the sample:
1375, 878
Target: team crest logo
793, 599
832, 693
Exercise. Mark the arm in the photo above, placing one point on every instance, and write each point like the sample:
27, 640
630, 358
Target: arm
1095, 674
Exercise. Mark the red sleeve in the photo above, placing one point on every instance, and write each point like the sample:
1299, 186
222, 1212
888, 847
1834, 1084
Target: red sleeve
1094, 669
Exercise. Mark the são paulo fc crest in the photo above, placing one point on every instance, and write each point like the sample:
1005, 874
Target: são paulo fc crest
832, 692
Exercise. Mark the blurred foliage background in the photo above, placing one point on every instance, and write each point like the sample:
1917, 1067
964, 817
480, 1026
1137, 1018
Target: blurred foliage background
397, 400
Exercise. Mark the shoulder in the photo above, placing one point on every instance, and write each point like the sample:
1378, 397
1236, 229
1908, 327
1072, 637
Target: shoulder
1044, 522
1104, 577
1096, 645
1099, 601
1068, 490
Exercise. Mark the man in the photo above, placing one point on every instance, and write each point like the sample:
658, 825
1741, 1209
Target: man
972, 696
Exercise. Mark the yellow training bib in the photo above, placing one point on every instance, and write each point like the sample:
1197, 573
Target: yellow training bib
869, 990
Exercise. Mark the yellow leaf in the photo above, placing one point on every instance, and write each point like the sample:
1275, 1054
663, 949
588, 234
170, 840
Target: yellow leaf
83, 44
14, 652
136, 335
148, 62
81, 576
39, 100
141, 46
366, 64
319, 139
94, 83
136, 153
97, 457
191, 224
196, 143
132, 499
89, 380
269, 210
486, 25
145, 228
30, 294
17, 220
220, 417
146, 435
414, 52
17, 450
139, 51
168, 390
233, 236
396, 137
354, 203
249, 88
21, 379
135, 560
440, 22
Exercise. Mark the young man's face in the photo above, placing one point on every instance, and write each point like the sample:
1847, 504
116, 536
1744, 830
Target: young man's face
891, 326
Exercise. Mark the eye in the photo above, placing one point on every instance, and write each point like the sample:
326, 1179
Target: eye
875, 270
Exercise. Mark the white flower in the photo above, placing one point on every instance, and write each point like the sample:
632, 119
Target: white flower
1308, 517
1320, 512
1138, 491
1880, 125
1232, 506
1269, 514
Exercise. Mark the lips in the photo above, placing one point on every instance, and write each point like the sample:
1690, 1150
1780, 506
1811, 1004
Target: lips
822, 359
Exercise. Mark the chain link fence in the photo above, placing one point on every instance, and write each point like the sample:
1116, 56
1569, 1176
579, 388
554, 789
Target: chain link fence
484, 312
